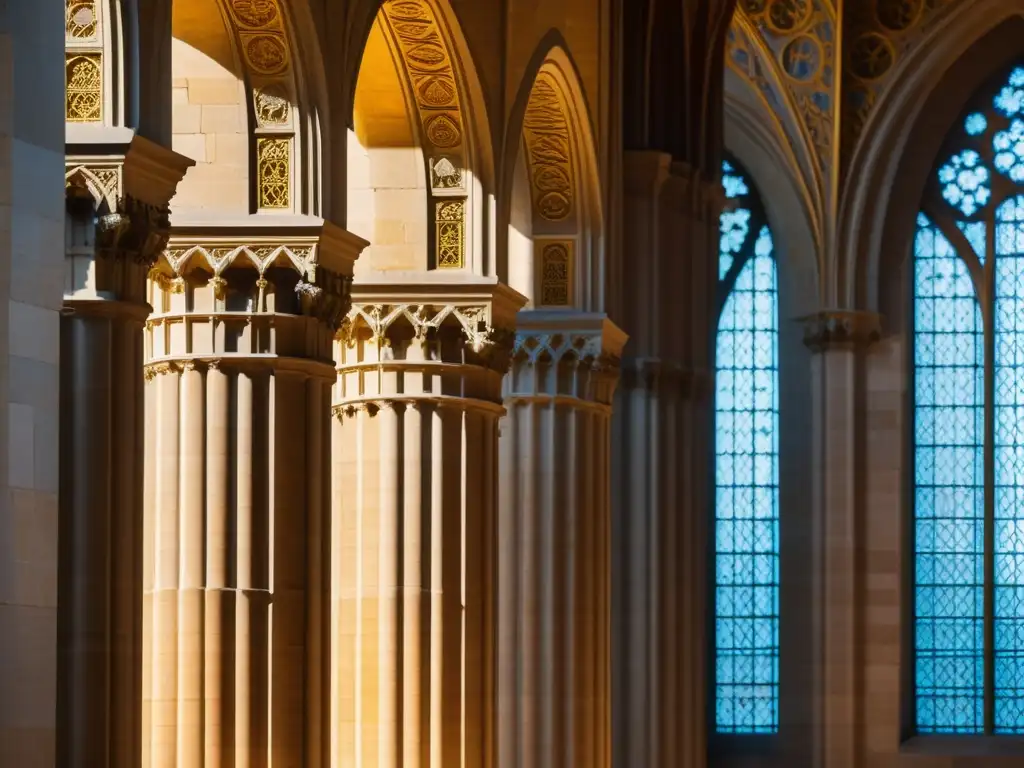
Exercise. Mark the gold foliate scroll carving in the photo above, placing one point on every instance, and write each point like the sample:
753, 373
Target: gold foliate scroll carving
450, 222
556, 269
80, 20
273, 166
83, 87
428, 65
546, 133
255, 14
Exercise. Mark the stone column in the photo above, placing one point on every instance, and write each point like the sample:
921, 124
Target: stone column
237, 468
116, 226
554, 586
837, 338
661, 470
414, 542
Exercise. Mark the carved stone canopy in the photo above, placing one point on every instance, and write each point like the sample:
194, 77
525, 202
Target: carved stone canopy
323, 256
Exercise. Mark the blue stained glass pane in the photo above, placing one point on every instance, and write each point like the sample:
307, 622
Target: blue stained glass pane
1008, 443
949, 489
747, 495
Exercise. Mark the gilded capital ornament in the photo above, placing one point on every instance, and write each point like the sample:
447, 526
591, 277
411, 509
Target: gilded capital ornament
830, 329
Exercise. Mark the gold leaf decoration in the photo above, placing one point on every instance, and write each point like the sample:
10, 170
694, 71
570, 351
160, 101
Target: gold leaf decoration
450, 223
443, 131
273, 165
83, 84
80, 21
546, 134
255, 13
556, 274
266, 54
428, 66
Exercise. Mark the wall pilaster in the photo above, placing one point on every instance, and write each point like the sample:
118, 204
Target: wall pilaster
554, 588
837, 340
117, 224
662, 464
414, 544
238, 371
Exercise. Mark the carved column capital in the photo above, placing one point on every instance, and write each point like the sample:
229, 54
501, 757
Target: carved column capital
831, 329
565, 354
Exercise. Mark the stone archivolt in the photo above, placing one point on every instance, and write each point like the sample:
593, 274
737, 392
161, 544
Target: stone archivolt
546, 133
429, 68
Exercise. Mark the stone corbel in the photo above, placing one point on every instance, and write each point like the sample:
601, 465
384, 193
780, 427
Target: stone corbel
837, 328
131, 181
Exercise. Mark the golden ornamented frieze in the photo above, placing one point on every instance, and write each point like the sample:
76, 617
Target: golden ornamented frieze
80, 20
260, 257
255, 14
83, 86
428, 66
450, 221
273, 172
841, 328
266, 54
272, 106
546, 135
556, 271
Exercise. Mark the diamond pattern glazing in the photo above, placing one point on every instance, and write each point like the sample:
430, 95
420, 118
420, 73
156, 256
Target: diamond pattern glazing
746, 472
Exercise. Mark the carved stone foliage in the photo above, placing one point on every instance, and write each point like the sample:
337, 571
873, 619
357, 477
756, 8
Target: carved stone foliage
880, 33
83, 83
556, 273
384, 324
428, 66
126, 227
273, 171
546, 134
800, 34
450, 225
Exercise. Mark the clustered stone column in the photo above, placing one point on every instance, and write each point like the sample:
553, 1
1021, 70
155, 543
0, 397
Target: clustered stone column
663, 449
414, 544
116, 227
237, 484
554, 587
838, 339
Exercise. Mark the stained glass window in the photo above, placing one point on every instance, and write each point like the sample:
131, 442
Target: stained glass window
746, 468
968, 322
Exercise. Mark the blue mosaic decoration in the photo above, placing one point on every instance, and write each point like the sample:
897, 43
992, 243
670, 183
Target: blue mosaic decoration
746, 470
969, 430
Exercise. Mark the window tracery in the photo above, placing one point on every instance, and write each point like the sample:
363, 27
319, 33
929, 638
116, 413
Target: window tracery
968, 347
746, 469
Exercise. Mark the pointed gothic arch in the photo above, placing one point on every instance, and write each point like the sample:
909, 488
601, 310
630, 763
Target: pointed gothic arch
895, 151
551, 188
420, 165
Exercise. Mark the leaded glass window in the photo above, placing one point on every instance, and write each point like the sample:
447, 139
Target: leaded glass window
746, 468
968, 352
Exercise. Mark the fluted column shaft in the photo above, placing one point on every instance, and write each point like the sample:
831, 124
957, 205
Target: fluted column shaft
236, 517
837, 339
101, 533
414, 535
662, 444
101, 386
554, 585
